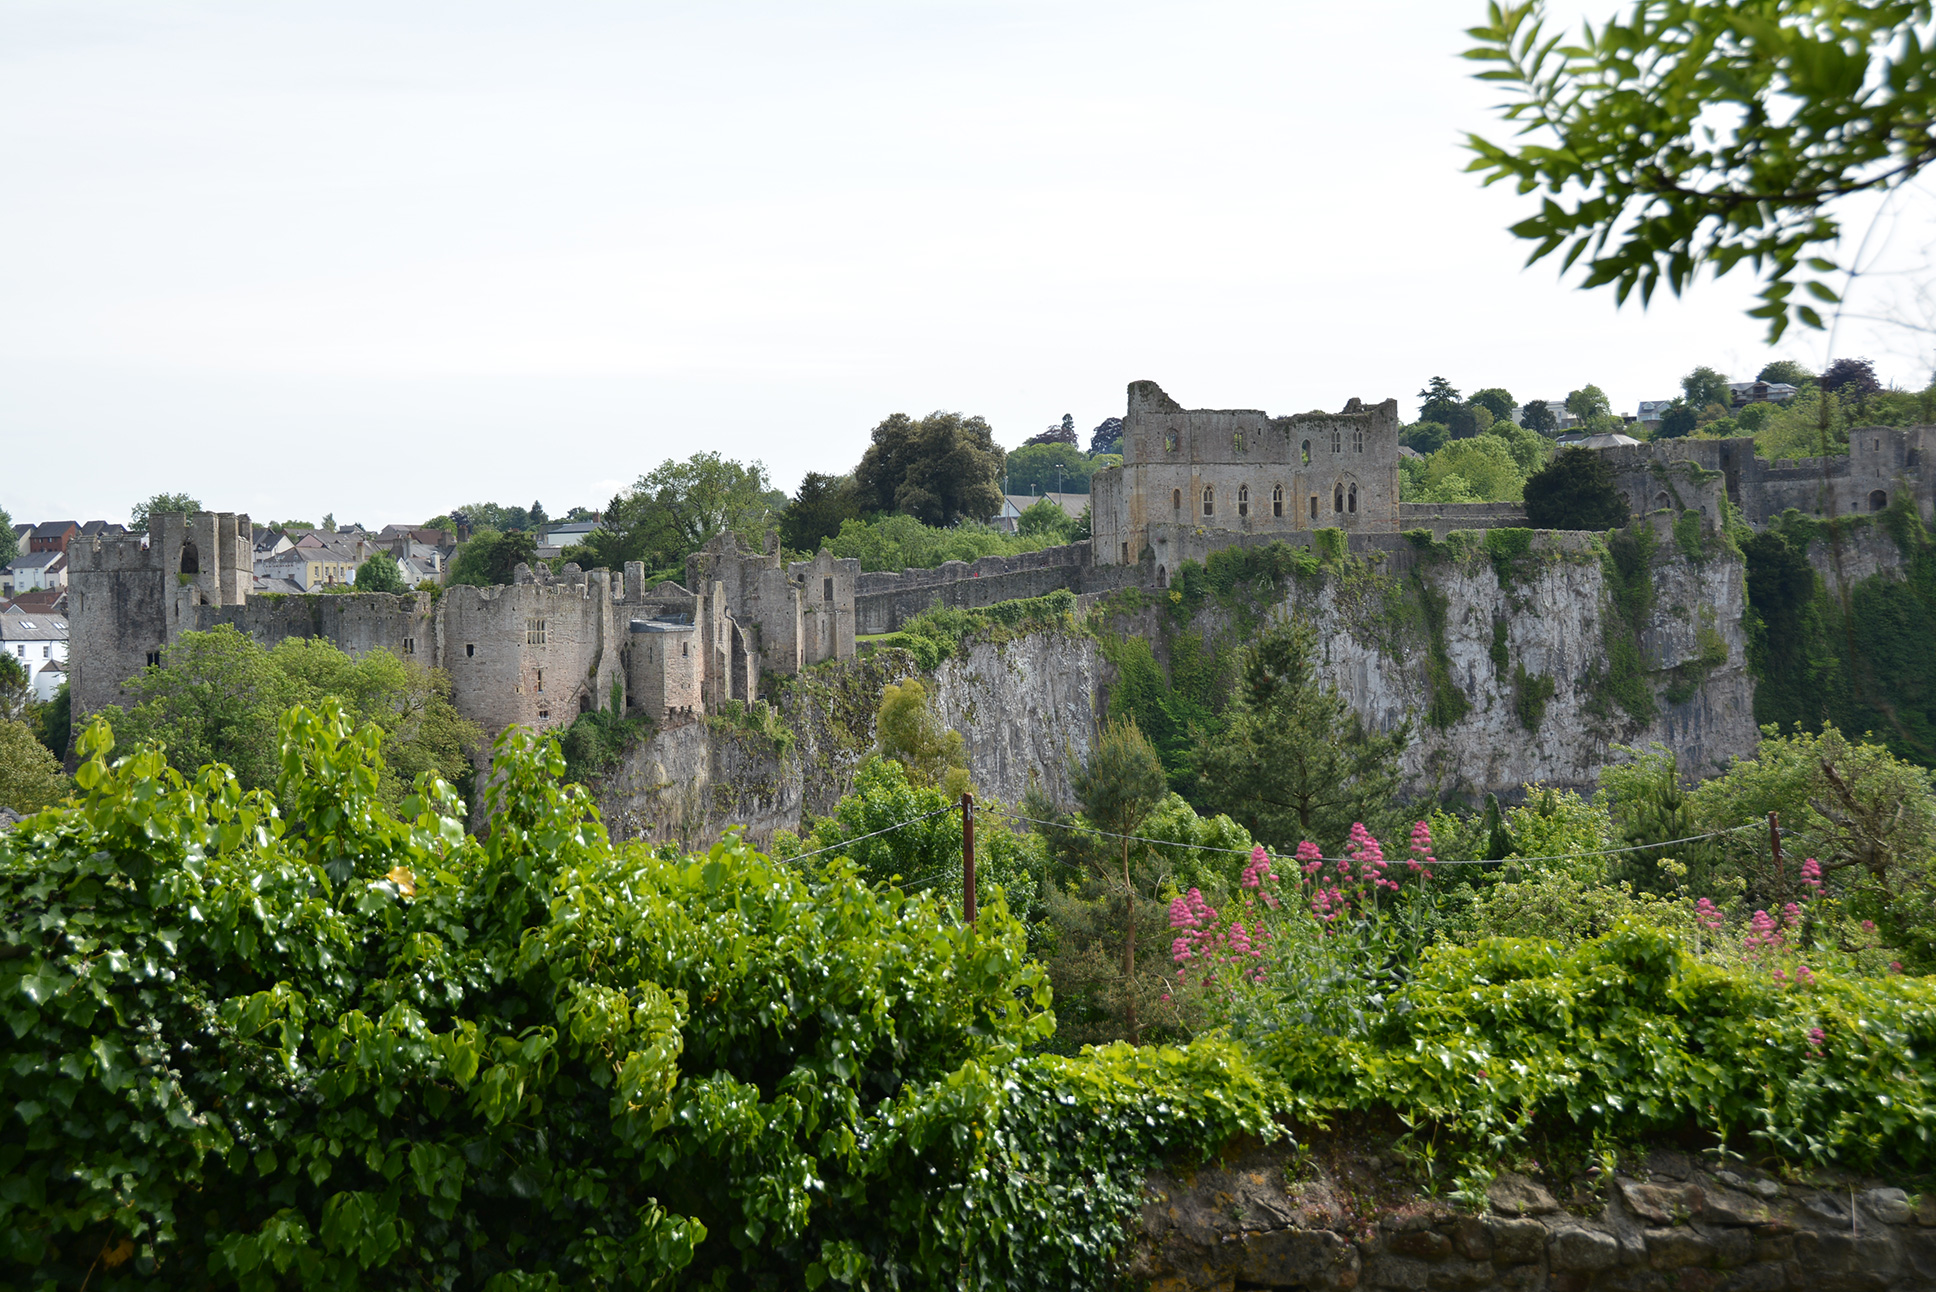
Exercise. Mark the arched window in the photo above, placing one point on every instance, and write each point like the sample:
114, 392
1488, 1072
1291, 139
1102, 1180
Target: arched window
1307, 453
1243, 500
191, 559
1358, 440
1351, 500
1314, 506
1337, 441
1662, 501
1337, 499
1878, 501
1176, 500
1169, 441
1237, 441
1277, 501
1209, 501
1162, 577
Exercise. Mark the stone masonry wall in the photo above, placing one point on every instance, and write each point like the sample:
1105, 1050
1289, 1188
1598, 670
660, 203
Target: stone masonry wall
1268, 1218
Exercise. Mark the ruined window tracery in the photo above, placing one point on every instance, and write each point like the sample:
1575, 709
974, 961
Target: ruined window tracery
534, 632
1169, 441
1277, 501
1337, 499
1351, 500
1307, 453
1337, 441
1176, 500
1209, 501
1358, 441
1243, 500
1237, 441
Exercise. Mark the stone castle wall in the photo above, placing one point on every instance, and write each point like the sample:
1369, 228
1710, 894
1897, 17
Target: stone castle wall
1882, 462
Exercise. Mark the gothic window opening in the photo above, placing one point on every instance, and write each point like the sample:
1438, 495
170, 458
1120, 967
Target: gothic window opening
1307, 453
1277, 501
827, 589
1314, 506
1237, 441
1125, 553
1209, 501
1243, 500
191, 562
1337, 441
470, 649
1358, 441
1169, 441
1351, 500
534, 632
154, 659
1878, 501
1176, 500
1337, 499
584, 704
540, 681
410, 645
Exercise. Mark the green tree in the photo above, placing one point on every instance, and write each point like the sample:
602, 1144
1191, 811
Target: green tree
1786, 371
490, 559
1107, 437
1574, 491
819, 508
1705, 386
1705, 133
30, 777
1588, 402
16, 688
1468, 420
1045, 468
56, 721
217, 697
9, 541
1046, 519
909, 731
942, 469
707, 495
1481, 469
1676, 420
1424, 437
1293, 762
379, 572
904, 543
537, 514
1495, 400
1441, 400
1119, 784
1536, 416
162, 504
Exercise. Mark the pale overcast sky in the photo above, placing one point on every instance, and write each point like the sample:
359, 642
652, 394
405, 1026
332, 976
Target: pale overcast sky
382, 259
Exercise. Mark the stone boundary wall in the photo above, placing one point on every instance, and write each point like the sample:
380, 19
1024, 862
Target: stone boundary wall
1681, 1223
885, 600
1444, 517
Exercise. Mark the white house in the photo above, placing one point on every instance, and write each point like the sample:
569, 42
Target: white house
36, 641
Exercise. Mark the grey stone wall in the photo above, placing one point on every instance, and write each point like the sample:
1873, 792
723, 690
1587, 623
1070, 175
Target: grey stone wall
1353, 1219
1882, 462
1444, 517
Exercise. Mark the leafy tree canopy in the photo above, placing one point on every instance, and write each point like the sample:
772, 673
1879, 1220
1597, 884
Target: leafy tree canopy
1107, 437
1705, 133
904, 543
379, 572
1705, 386
1574, 491
1852, 379
911, 733
1424, 437
941, 469
1046, 519
1063, 432
9, 541
1495, 400
491, 559
1787, 371
1536, 416
162, 504
1049, 468
30, 776
1441, 401
819, 508
1676, 420
1587, 402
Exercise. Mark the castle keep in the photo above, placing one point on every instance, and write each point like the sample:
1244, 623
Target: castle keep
1193, 480
537, 652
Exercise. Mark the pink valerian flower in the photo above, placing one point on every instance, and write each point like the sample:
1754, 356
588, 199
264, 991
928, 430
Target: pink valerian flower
1421, 861
1763, 932
1791, 916
1309, 858
1708, 915
1895, 966
1817, 1042
1781, 976
1812, 875
1804, 978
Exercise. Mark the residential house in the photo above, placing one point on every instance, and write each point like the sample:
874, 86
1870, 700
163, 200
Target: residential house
38, 643
1761, 392
1014, 504
31, 571
51, 536
311, 566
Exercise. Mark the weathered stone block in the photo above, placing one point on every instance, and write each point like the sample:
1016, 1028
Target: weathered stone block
1397, 1272
1515, 1195
1890, 1206
1472, 1239
1425, 1244
1669, 1249
1309, 1258
1727, 1207
1843, 1262
1517, 1242
1755, 1278
1462, 1275
1662, 1204
1583, 1249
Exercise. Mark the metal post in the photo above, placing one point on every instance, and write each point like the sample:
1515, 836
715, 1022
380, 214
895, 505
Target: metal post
968, 858
1774, 842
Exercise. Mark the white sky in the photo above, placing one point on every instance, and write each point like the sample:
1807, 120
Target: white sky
380, 259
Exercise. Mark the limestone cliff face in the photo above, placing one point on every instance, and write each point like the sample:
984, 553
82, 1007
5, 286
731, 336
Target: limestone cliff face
1553, 622
1024, 707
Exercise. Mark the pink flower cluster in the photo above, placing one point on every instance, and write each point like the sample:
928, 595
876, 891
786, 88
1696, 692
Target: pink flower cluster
1421, 861
1363, 849
1765, 934
1204, 939
1708, 915
1812, 875
1817, 1042
1258, 875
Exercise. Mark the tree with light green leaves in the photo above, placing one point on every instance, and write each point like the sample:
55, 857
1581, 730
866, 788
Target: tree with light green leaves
162, 504
1700, 135
1118, 784
30, 776
379, 572
9, 541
